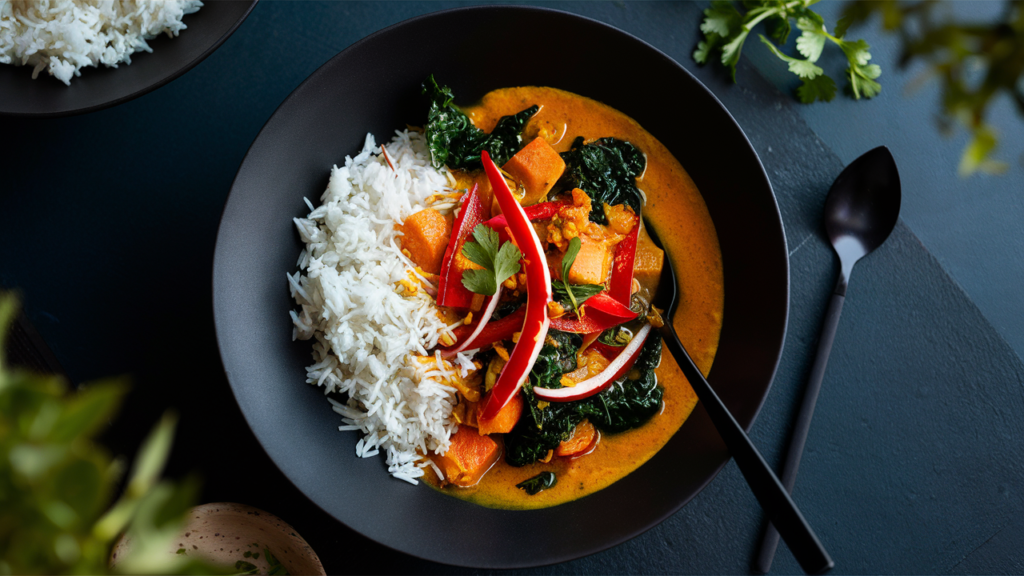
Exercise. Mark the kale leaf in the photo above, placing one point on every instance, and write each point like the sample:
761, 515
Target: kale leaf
454, 140
541, 481
624, 405
607, 170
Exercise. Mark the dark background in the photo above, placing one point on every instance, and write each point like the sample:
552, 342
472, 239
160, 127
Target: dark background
913, 465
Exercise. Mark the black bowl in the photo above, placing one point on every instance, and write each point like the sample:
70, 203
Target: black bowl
373, 86
98, 88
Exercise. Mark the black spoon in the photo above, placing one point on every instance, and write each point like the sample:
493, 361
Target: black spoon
774, 499
860, 212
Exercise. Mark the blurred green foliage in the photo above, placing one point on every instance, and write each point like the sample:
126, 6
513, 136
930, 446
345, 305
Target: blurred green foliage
57, 484
975, 63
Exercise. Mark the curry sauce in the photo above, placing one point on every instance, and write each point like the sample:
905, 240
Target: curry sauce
676, 209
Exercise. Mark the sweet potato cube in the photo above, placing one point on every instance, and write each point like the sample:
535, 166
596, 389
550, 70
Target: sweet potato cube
592, 263
505, 419
649, 260
425, 236
469, 456
582, 440
537, 166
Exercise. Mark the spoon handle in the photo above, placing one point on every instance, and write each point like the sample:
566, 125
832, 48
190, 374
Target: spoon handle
763, 483
803, 420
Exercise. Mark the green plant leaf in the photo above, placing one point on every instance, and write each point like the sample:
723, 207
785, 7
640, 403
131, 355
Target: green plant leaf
812, 41
819, 88
976, 155
88, 410
152, 456
721, 18
802, 68
842, 26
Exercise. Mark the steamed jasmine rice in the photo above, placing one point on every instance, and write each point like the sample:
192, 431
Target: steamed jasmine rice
370, 324
63, 36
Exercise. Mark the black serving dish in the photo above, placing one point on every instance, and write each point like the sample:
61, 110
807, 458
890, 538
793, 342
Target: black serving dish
101, 87
373, 86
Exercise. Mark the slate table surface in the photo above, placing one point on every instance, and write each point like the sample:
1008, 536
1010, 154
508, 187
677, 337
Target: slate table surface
914, 461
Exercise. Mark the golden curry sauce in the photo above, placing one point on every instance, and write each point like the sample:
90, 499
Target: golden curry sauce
677, 210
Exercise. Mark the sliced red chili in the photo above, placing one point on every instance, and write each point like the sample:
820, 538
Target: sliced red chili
450, 291
592, 321
604, 302
494, 331
538, 294
542, 211
621, 285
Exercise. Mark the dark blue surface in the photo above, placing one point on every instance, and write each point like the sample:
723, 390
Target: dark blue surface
913, 464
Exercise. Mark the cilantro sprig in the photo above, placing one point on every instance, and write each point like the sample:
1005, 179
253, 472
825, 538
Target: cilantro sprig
499, 262
573, 294
726, 30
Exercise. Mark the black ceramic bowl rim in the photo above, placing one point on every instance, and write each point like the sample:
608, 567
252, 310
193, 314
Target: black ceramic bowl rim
297, 428
101, 87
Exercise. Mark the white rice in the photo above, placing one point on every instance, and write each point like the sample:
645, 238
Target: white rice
366, 333
63, 36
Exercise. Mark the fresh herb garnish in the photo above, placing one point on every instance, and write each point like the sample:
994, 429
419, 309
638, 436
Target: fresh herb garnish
606, 170
454, 140
541, 481
572, 294
498, 263
726, 29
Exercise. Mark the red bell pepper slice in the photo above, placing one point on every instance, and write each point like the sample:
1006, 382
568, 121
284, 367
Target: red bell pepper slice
592, 321
606, 350
604, 302
621, 285
542, 211
494, 331
538, 294
450, 291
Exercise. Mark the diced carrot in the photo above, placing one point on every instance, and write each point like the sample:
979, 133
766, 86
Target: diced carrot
582, 439
469, 456
537, 167
649, 260
592, 263
425, 236
505, 419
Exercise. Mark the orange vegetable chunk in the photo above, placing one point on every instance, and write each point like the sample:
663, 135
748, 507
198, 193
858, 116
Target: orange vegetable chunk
582, 439
537, 167
592, 263
649, 260
469, 456
425, 236
505, 419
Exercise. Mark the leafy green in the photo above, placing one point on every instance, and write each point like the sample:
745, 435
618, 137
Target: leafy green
626, 404
975, 64
726, 29
498, 263
541, 481
617, 336
57, 483
572, 294
454, 140
606, 169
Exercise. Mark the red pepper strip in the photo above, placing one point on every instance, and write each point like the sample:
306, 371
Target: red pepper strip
604, 302
538, 294
495, 330
606, 350
541, 211
621, 285
592, 321
450, 291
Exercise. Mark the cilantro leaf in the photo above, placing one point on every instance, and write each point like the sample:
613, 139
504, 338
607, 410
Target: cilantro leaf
499, 263
802, 68
574, 294
721, 19
812, 41
842, 26
819, 88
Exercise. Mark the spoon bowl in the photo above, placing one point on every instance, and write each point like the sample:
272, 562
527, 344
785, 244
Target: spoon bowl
863, 206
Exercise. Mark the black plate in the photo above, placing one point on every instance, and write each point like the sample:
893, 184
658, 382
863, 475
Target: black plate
98, 88
373, 86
